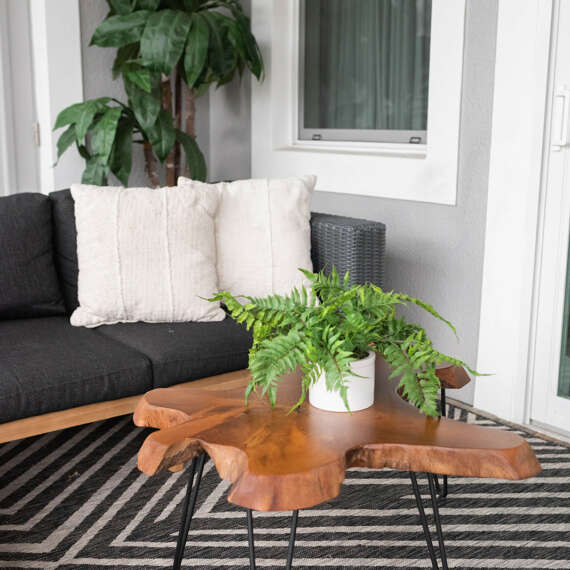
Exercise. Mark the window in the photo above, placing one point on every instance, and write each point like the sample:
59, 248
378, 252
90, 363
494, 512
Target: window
292, 104
364, 70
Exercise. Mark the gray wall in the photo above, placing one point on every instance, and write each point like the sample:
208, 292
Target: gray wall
436, 252
223, 115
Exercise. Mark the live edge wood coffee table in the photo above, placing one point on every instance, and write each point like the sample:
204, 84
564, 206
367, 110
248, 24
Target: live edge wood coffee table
286, 462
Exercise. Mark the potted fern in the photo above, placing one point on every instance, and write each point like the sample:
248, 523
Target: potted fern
333, 332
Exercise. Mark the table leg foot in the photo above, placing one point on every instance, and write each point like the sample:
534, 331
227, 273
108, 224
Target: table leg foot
188, 508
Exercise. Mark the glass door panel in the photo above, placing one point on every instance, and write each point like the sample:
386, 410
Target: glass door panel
564, 374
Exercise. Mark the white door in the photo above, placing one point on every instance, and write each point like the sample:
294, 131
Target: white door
550, 394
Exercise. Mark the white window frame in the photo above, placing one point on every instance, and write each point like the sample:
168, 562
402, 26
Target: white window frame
420, 172
341, 135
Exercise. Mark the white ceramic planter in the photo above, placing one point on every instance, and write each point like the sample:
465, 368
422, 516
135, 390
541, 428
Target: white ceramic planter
360, 393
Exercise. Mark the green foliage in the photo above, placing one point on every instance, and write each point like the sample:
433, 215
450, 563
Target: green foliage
207, 41
331, 326
194, 157
201, 41
110, 126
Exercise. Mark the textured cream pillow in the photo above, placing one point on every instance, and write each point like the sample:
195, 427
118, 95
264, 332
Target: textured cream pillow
263, 233
145, 255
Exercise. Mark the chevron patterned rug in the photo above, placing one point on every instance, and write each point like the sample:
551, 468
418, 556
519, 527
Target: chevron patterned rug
75, 499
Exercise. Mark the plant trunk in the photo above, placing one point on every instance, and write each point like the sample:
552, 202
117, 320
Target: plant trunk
189, 118
177, 121
167, 104
150, 165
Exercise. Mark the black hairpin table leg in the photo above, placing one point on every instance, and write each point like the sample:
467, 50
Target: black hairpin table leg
250, 539
437, 520
188, 508
294, 519
436, 517
423, 520
442, 490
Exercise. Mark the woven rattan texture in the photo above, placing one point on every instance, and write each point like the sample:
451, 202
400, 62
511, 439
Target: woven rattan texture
358, 246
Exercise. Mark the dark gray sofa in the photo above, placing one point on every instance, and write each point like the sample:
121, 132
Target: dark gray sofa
46, 365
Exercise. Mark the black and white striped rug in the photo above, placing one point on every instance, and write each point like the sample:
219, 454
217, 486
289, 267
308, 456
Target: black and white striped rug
75, 499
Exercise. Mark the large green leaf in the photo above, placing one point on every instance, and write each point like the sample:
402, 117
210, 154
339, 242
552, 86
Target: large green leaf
122, 154
162, 135
138, 74
65, 140
71, 114
103, 134
151, 5
194, 157
221, 56
121, 6
68, 115
193, 5
117, 31
237, 38
146, 106
196, 53
124, 54
164, 37
87, 115
95, 172
253, 56
82, 150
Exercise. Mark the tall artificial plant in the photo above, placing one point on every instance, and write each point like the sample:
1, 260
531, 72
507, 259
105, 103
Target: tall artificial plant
169, 52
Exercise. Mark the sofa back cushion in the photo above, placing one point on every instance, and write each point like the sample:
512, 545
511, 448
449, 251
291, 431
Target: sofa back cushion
65, 246
28, 280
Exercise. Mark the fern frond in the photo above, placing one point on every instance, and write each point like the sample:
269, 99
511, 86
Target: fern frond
428, 308
329, 327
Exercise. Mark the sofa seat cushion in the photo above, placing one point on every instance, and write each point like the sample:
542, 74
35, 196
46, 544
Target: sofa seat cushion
180, 352
46, 365
28, 279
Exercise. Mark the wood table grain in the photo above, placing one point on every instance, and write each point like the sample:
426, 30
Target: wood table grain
280, 461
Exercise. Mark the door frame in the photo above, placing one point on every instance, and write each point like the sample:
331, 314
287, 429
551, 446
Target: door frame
515, 192
58, 83
7, 159
548, 333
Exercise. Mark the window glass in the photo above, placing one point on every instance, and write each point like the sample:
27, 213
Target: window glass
364, 70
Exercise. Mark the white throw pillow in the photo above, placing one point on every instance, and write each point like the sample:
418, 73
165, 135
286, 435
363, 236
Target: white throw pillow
145, 255
263, 233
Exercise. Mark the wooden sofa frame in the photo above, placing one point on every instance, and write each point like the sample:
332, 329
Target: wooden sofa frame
45, 423
450, 377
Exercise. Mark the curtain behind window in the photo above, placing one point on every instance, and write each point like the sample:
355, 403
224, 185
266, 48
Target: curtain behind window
366, 64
